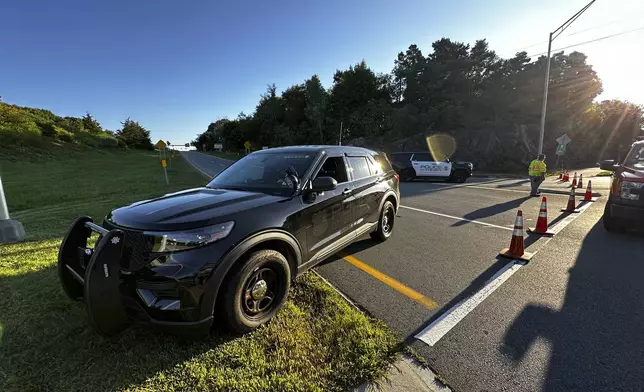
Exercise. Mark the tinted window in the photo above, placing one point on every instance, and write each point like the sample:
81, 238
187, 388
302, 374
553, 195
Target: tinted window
359, 167
334, 167
401, 159
423, 157
265, 172
380, 164
635, 158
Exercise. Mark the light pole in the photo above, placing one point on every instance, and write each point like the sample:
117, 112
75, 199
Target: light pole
10, 230
551, 37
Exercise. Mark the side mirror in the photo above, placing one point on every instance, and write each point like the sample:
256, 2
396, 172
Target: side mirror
322, 184
608, 165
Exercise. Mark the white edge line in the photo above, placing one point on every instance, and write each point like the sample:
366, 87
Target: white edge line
196, 167
458, 218
567, 220
448, 320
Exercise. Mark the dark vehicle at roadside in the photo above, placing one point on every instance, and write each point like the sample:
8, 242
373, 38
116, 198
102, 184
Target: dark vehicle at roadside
227, 253
625, 207
423, 165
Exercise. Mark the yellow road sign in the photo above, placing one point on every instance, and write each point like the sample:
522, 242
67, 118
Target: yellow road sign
161, 145
247, 144
163, 163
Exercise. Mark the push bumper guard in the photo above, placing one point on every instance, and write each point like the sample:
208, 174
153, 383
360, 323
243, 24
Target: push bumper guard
93, 276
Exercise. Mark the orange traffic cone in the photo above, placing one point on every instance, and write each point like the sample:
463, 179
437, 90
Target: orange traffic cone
589, 192
542, 221
571, 207
516, 250
574, 180
566, 177
580, 183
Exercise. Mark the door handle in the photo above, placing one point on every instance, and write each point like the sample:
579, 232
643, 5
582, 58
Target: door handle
346, 192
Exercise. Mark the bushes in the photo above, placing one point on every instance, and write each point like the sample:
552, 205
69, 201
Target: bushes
63, 134
99, 140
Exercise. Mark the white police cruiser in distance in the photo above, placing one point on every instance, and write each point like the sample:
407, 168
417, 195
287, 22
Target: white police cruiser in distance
413, 165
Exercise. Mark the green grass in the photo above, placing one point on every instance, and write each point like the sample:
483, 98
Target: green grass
317, 342
233, 156
604, 173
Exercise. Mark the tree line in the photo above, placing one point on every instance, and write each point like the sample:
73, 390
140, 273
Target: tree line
23, 125
490, 105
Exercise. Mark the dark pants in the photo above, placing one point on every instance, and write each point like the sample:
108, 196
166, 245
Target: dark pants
535, 181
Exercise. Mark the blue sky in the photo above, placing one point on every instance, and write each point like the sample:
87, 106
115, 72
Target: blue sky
175, 66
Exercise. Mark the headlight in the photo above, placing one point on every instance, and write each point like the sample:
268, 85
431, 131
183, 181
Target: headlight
176, 241
626, 189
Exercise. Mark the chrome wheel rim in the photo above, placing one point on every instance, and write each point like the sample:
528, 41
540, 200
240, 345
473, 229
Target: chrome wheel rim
259, 292
388, 220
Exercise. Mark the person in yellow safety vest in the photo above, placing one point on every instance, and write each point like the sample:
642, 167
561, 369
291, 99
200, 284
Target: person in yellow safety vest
537, 173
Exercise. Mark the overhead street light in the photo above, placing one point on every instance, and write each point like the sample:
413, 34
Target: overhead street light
551, 38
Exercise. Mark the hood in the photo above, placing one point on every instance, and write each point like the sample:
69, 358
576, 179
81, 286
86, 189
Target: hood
188, 209
628, 174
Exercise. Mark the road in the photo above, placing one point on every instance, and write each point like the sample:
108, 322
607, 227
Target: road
571, 319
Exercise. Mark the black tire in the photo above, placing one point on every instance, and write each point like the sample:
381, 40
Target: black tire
244, 305
385, 222
407, 175
459, 176
611, 224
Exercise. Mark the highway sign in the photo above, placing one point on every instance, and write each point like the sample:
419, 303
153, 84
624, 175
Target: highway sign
247, 144
561, 149
564, 139
161, 145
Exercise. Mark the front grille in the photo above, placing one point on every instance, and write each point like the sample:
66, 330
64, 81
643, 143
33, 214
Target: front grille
136, 248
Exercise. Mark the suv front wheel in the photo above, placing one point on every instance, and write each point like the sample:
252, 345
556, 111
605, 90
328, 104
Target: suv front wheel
385, 223
611, 223
256, 291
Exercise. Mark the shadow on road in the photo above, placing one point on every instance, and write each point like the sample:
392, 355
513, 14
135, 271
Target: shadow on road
597, 337
495, 209
514, 184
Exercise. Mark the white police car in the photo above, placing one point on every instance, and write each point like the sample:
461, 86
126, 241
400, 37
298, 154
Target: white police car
413, 165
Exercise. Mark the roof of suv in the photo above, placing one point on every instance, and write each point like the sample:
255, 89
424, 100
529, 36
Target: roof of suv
347, 149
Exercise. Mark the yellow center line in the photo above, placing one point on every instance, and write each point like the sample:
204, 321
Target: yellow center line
391, 282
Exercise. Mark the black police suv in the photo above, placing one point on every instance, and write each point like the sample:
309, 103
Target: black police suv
226, 253
413, 165
625, 207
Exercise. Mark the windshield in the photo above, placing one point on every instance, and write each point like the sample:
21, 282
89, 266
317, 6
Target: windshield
274, 173
635, 157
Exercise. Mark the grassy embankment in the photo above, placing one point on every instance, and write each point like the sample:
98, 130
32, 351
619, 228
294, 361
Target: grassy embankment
317, 342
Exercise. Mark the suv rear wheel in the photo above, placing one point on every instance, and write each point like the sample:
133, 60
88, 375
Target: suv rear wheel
256, 291
407, 175
385, 223
459, 176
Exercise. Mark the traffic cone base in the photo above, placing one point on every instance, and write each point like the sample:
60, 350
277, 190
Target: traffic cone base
547, 233
526, 256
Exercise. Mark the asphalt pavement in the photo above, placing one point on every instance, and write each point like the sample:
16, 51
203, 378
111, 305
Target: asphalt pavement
208, 165
571, 319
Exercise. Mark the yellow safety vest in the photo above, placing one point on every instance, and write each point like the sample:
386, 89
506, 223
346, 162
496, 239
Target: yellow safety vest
537, 168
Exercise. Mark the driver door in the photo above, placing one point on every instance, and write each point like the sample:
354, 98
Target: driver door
327, 215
